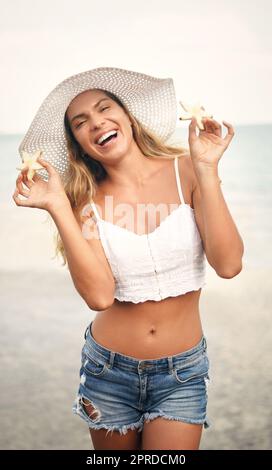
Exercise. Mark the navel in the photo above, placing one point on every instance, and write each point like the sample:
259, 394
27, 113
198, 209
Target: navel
152, 330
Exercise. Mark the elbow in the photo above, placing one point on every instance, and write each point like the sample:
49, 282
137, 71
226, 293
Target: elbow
230, 273
101, 303
99, 297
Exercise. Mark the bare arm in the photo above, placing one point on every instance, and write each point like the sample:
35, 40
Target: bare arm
223, 244
89, 268
88, 265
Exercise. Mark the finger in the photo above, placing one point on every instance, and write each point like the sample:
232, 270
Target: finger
21, 190
50, 168
230, 133
36, 178
18, 201
192, 131
212, 126
19, 177
26, 181
213, 123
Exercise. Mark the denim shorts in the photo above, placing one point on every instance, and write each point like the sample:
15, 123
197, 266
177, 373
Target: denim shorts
123, 392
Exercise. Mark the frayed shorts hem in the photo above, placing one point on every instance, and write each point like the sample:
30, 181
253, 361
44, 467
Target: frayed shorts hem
150, 416
122, 429
147, 417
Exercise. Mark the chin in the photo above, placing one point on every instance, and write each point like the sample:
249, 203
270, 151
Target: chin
116, 154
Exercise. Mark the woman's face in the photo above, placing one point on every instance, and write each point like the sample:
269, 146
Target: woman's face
92, 114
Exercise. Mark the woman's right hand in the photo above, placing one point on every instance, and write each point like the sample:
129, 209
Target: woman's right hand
41, 194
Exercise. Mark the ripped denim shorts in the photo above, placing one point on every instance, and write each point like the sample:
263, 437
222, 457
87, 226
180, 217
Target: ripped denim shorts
119, 392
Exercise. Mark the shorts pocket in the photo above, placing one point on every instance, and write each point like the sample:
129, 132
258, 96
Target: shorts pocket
93, 366
192, 370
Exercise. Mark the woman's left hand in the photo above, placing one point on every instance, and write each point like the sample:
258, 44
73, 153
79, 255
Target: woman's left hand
207, 148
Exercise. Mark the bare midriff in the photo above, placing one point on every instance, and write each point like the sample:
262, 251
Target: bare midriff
152, 329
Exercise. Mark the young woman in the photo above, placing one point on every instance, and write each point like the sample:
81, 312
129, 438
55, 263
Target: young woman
136, 218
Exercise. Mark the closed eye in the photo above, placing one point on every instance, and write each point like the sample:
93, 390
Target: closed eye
78, 125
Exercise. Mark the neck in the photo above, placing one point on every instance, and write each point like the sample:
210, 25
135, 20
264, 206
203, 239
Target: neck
132, 171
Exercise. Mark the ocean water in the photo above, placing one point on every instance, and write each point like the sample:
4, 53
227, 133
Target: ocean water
245, 170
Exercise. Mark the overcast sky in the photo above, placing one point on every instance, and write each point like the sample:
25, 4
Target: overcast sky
218, 52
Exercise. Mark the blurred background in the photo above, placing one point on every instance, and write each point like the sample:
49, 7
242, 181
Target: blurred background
218, 52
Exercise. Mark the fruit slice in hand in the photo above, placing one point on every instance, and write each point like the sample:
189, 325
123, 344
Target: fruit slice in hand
30, 163
197, 111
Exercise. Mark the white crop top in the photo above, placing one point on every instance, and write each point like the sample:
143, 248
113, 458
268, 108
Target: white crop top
167, 262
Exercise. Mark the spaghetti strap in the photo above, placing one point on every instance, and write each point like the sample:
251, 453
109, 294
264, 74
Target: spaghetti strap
178, 181
95, 210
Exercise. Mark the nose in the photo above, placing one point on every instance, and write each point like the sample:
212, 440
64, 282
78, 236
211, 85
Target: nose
96, 123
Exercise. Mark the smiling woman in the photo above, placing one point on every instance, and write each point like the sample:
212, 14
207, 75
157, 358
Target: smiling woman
144, 365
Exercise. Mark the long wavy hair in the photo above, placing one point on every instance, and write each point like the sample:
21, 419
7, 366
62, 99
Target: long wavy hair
85, 173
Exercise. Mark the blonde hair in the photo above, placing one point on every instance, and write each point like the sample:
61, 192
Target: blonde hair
85, 173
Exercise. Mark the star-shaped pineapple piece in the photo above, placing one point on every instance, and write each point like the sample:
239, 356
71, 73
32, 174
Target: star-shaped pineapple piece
197, 111
30, 163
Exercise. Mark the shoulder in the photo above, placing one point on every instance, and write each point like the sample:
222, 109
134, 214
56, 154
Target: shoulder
186, 169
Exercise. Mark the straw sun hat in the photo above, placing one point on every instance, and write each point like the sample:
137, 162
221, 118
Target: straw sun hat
151, 100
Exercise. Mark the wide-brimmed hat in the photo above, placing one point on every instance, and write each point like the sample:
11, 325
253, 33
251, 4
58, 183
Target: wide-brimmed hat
151, 100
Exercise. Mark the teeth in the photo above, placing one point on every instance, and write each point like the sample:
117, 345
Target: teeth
105, 136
